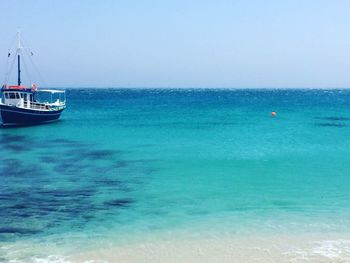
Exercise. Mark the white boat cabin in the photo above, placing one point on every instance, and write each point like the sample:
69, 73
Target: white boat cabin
29, 100
16, 98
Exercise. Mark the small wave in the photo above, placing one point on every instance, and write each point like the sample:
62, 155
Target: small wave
54, 259
333, 249
319, 251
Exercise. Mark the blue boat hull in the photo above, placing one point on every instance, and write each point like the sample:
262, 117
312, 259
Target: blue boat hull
11, 115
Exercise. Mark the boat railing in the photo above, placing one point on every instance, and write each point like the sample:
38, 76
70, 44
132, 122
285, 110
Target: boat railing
46, 106
38, 106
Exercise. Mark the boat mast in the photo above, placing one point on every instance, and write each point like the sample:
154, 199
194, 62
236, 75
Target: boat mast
18, 57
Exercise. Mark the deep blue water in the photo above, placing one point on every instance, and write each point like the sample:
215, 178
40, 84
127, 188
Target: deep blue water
124, 162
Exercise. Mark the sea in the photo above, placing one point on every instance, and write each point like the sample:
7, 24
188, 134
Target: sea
123, 166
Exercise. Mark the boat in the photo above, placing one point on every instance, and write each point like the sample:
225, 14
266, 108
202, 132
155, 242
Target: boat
24, 105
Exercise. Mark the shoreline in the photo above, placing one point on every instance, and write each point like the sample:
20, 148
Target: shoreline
187, 246
253, 248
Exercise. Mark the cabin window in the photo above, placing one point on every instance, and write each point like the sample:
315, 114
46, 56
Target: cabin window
17, 96
6, 95
21, 95
12, 95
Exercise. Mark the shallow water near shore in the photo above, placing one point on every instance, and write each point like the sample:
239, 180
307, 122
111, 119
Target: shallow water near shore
124, 166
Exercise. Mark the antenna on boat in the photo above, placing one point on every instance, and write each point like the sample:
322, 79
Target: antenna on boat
18, 56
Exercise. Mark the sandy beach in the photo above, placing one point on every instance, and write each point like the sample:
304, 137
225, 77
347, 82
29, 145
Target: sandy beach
274, 248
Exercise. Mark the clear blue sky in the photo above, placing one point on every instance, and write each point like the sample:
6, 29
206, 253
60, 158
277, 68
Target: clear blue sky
183, 43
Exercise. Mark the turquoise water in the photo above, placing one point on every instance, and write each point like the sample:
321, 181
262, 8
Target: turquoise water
132, 162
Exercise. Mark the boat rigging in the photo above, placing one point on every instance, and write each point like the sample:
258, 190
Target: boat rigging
21, 105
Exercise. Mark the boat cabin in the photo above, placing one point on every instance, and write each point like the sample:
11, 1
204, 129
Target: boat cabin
17, 98
27, 98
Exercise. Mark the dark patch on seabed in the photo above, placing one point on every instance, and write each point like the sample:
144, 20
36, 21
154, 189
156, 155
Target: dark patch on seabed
66, 184
119, 202
333, 118
15, 167
14, 143
17, 230
331, 124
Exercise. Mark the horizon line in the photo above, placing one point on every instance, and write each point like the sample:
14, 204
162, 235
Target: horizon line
194, 87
